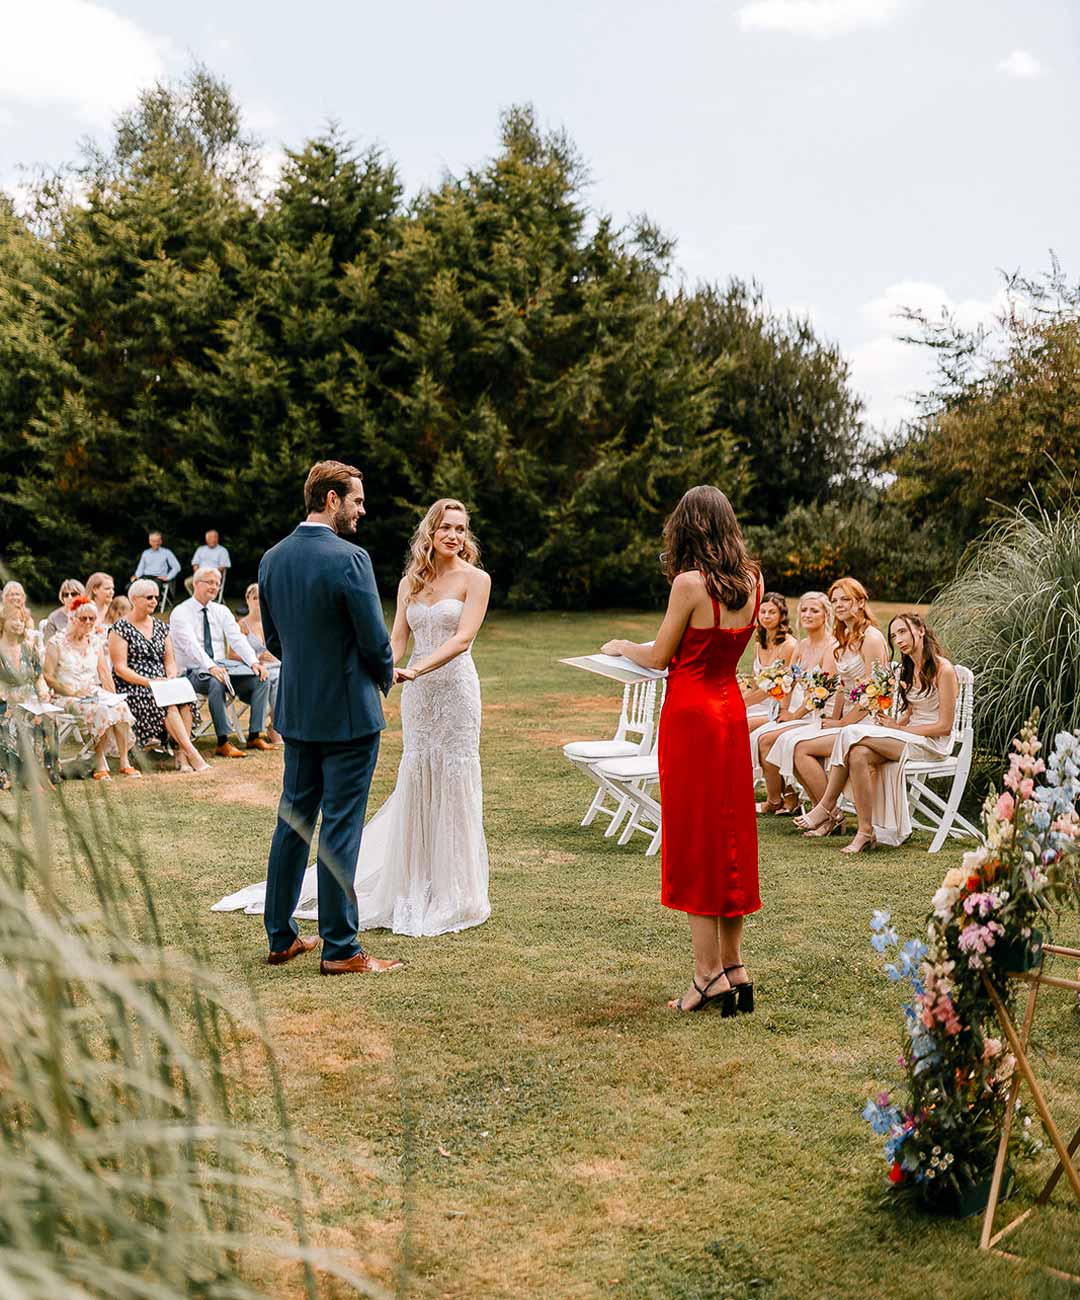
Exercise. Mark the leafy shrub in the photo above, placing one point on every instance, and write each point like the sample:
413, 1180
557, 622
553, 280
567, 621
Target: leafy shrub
865, 537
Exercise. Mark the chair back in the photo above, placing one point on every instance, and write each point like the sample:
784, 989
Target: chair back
963, 730
637, 716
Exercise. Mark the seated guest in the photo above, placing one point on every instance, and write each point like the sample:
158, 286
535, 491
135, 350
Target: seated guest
100, 590
203, 631
252, 628
815, 650
21, 682
868, 758
859, 646
78, 672
157, 562
13, 596
212, 555
773, 644
141, 651
57, 620
119, 607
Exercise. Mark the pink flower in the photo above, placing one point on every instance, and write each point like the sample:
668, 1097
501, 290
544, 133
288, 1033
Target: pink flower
1006, 806
1027, 788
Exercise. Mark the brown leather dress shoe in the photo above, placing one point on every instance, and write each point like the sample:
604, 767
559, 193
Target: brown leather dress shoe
229, 750
259, 742
297, 948
361, 964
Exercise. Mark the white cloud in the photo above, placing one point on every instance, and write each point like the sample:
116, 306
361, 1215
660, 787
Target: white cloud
1022, 65
79, 54
887, 371
816, 17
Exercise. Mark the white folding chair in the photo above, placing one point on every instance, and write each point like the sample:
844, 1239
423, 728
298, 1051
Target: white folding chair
929, 812
633, 736
629, 781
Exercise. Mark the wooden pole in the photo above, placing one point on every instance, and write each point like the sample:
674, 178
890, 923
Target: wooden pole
1033, 1083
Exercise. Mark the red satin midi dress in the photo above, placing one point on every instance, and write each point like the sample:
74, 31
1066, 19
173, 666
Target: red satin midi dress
709, 844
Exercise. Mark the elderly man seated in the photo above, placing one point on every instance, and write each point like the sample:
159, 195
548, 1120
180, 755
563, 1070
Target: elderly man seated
159, 563
203, 632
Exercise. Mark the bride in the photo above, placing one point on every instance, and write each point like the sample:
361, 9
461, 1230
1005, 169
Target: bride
423, 865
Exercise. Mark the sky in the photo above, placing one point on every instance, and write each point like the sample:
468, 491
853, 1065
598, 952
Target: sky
853, 156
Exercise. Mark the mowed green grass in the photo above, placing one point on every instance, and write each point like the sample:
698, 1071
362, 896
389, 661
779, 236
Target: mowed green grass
519, 1115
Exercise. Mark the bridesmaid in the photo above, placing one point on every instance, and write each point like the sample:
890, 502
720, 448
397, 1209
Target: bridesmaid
774, 644
869, 756
815, 650
709, 863
860, 644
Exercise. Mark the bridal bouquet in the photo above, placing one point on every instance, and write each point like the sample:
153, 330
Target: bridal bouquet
776, 679
940, 1140
877, 694
818, 688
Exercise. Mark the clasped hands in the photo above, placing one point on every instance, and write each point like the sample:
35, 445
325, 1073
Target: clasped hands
402, 675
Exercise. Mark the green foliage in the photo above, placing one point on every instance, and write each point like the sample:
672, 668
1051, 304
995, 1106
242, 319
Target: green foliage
1004, 417
186, 350
864, 536
1012, 615
126, 1167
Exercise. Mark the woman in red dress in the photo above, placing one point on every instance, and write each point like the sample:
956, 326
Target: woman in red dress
710, 868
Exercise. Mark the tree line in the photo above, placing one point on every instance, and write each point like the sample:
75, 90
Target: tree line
177, 346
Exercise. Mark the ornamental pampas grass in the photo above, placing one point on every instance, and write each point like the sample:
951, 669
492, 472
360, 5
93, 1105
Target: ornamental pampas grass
1012, 615
125, 1172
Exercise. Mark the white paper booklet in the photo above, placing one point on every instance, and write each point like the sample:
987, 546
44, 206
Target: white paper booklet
626, 665
172, 690
40, 707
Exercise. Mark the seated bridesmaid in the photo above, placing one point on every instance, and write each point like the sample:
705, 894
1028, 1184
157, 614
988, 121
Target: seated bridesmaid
773, 644
868, 759
860, 644
815, 650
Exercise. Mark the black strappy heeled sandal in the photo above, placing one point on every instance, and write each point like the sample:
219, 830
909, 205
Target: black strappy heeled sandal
744, 993
726, 998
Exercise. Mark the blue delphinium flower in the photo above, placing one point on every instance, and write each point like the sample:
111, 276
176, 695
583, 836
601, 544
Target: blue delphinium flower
880, 920
884, 939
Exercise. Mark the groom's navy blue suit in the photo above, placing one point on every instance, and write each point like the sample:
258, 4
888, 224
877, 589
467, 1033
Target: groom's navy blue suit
322, 617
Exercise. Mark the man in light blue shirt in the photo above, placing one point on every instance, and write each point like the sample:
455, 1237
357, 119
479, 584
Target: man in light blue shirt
159, 563
212, 555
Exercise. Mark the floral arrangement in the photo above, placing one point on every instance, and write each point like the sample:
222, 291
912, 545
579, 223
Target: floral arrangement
877, 694
818, 687
941, 1139
776, 679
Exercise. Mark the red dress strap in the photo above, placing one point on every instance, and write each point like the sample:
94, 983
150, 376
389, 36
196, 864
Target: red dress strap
757, 600
715, 610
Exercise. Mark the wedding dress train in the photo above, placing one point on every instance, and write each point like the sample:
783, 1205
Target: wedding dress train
423, 864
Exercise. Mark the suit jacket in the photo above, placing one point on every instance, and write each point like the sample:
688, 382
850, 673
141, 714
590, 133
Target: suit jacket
323, 618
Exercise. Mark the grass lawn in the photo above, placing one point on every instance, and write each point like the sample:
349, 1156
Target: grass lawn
519, 1115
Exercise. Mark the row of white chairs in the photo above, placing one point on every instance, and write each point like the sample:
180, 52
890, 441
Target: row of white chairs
625, 770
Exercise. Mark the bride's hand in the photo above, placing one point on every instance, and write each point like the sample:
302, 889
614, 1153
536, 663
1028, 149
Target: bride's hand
404, 675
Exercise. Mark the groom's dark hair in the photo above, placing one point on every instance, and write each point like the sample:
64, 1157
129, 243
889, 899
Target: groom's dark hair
327, 476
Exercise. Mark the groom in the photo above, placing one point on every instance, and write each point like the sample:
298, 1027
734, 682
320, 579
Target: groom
322, 618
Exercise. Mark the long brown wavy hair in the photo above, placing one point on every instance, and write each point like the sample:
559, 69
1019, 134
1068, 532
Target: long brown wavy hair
783, 628
932, 651
864, 617
420, 567
702, 533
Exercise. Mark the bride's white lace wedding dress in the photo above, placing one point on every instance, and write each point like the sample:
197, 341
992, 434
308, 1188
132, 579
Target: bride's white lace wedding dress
423, 865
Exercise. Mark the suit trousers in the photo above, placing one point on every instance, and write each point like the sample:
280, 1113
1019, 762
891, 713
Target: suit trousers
250, 689
334, 776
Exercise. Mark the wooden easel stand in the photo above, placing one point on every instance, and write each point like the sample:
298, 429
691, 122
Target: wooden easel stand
1018, 1043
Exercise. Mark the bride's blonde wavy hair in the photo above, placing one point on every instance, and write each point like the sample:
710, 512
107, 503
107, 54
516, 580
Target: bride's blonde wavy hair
420, 568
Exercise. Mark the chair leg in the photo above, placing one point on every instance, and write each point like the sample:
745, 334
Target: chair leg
617, 816
594, 807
